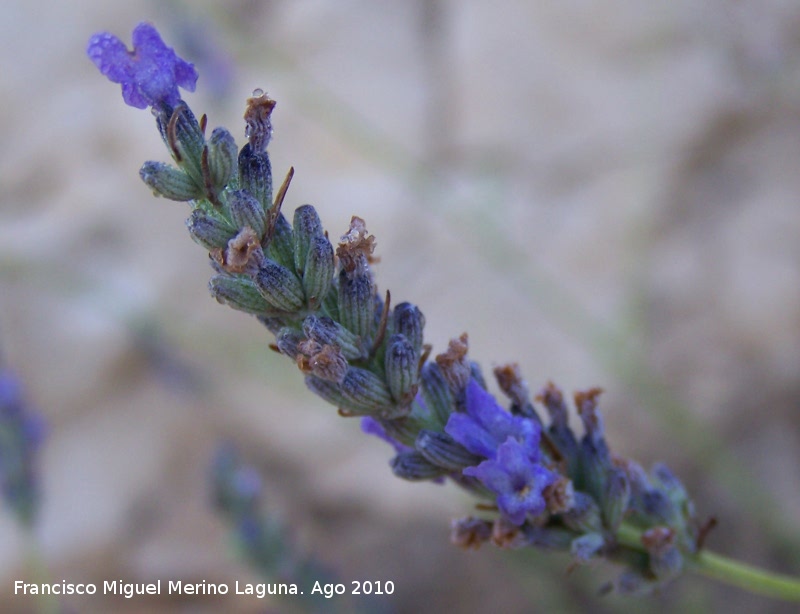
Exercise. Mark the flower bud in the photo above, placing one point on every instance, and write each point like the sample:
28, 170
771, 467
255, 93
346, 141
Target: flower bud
667, 565
330, 301
239, 292
659, 507
255, 175
642, 502
615, 500
221, 158
329, 391
409, 321
326, 331
559, 431
287, 341
443, 451
402, 369
595, 458
455, 367
319, 270
414, 467
185, 140
666, 561
366, 391
404, 431
169, 182
436, 392
280, 287
637, 477
586, 547
670, 485
356, 303
584, 517
247, 211
281, 245
307, 226
593, 441
595, 462
379, 320
210, 229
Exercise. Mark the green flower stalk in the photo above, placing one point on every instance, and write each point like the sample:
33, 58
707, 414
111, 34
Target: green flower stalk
539, 483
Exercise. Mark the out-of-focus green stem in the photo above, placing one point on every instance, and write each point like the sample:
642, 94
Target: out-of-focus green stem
747, 577
729, 571
47, 602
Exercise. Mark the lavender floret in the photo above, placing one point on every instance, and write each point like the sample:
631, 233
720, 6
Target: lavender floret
150, 74
517, 482
485, 425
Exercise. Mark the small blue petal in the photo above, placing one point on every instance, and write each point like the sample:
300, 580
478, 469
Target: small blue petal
466, 431
516, 480
150, 74
485, 425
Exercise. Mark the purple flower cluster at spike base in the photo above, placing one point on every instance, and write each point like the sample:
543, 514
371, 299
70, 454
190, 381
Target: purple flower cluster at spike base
513, 469
21, 434
150, 74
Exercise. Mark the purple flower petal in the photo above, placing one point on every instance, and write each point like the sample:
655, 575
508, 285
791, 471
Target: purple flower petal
516, 480
486, 425
466, 431
150, 74
110, 56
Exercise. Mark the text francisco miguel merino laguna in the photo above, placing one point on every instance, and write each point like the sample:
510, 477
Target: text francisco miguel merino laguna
173, 587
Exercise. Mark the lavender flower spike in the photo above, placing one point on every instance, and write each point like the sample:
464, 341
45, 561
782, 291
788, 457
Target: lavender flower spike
21, 435
367, 359
150, 74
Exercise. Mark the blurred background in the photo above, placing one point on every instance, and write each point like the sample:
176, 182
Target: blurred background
604, 192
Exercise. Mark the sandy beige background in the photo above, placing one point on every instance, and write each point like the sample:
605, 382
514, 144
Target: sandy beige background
605, 192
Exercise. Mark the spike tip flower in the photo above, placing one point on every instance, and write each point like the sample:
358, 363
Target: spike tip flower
150, 74
547, 486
